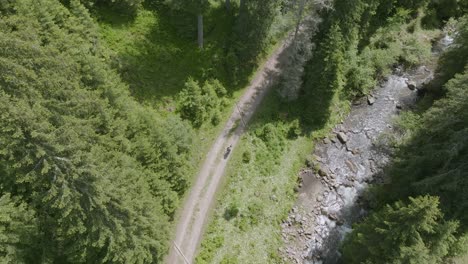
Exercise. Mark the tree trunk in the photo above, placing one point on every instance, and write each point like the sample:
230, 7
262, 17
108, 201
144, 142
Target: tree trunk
200, 31
228, 5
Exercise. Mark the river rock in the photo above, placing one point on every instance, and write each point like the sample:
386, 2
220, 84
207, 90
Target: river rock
298, 218
318, 158
322, 172
370, 100
411, 85
342, 137
351, 166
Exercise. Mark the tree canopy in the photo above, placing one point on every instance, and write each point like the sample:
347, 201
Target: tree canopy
93, 173
412, 232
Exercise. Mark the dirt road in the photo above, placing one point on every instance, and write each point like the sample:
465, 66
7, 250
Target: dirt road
198, 203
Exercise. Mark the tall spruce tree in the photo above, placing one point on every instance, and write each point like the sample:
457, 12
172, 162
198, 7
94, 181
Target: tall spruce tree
412, 232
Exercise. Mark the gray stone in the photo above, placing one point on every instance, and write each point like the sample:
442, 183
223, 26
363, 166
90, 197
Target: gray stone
298, 218
342, 137
322, 172
370, 100
351, 166
411, 85
326, 141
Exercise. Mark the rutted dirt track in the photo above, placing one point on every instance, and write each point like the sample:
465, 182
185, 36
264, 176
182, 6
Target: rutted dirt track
200, 199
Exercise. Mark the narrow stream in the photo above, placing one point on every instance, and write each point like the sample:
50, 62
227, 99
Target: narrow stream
349, 159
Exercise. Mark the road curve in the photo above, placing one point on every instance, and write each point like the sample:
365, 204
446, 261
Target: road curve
196, 208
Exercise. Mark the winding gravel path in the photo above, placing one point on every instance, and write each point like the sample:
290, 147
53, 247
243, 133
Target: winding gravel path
200, 199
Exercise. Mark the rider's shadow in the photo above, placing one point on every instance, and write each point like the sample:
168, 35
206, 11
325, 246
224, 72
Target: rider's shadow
226, 154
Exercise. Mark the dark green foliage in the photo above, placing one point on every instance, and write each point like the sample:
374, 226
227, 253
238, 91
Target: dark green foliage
250, 36
231, 212
295, 129
18, 231
440, 11
252, 27
102, 173
125, 6
412, 232
251, 217
246, 156
189, 6
455, 59
199, 103
328, 71
434, 160
212, 244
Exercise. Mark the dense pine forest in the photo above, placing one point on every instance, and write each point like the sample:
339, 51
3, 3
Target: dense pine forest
91, 171
108, 107
88, 174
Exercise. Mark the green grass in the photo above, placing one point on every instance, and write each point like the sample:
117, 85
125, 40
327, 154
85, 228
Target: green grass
155, 58
263, 188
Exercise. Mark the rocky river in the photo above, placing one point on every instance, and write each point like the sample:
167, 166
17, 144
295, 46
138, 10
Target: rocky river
345, 163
